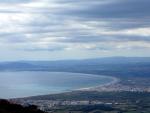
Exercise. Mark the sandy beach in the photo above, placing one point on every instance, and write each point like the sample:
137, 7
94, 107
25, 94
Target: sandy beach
97, 88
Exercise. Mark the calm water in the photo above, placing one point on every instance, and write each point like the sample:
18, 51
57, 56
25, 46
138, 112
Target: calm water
22, 84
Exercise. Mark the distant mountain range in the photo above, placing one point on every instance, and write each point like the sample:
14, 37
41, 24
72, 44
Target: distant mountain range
108, 66
116, 60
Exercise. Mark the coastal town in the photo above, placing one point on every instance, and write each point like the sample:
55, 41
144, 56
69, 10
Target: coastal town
117, 87
47, 105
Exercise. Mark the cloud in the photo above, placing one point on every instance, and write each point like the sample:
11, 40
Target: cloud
32, 25
115, 9
14, 1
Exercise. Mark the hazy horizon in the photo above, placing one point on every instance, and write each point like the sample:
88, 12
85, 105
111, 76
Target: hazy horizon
74, 59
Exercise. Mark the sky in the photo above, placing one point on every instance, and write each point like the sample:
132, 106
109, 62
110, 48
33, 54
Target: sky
73, 29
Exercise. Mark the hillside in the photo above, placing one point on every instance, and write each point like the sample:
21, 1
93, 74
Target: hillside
7, 107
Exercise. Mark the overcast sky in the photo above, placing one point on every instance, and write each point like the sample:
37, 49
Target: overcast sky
73, 29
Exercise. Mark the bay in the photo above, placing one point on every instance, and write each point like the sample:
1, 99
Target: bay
27, 83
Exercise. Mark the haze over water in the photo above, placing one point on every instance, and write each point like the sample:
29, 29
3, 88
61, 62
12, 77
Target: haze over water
23, 84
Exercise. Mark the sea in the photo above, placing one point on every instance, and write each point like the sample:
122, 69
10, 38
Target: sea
33, 83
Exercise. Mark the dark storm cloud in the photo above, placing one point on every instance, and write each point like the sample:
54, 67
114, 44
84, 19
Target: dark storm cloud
121, 14
117, 9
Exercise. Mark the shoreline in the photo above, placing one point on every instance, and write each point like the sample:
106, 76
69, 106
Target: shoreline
91, 88
114, 81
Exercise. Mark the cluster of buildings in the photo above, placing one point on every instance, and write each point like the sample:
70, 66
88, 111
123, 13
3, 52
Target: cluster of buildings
119, 87
47, 105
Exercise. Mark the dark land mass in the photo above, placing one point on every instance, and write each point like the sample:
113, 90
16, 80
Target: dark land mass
7, 107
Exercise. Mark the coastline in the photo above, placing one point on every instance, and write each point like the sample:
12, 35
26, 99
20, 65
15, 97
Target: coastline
95, 88
92, 88
114, 80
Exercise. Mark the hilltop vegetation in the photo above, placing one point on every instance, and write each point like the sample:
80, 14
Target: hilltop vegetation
7, 107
